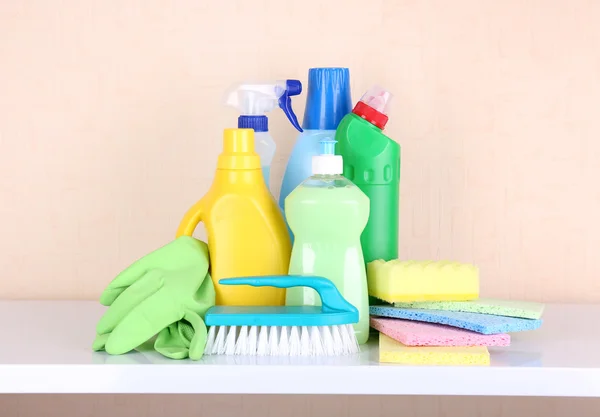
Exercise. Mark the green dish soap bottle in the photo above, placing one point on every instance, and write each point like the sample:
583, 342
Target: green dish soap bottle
327, 214
372, 162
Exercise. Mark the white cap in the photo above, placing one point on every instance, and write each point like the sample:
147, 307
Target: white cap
327, 165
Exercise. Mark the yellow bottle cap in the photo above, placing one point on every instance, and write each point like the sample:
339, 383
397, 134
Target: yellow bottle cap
238, 150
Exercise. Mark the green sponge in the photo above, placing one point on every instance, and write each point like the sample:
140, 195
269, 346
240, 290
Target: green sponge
509, 308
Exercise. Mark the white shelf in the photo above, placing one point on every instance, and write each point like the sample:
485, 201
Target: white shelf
45, 347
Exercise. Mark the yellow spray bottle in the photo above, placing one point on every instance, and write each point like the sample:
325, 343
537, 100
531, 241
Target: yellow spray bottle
247, 235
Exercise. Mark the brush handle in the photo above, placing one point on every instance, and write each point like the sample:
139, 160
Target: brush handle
331, 299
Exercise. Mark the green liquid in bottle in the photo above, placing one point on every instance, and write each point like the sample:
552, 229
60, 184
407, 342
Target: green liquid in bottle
327, 214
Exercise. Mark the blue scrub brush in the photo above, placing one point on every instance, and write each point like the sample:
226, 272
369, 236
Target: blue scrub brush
324, 330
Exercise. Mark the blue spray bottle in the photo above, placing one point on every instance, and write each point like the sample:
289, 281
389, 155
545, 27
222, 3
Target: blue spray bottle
253, 100
328, 101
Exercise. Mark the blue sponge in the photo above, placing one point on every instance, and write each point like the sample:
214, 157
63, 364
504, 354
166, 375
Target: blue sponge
480, 323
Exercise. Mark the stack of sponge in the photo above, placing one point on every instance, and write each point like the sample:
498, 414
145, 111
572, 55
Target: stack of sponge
432, 313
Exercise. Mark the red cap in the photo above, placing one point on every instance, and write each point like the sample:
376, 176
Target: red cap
370, 114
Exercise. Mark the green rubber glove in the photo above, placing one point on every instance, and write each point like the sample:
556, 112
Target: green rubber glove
168, 291
175, 341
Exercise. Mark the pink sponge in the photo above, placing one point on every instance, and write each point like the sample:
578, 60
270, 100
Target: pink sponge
412, 333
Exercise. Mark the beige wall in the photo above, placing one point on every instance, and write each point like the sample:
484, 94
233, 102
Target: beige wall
111, 122
110, 125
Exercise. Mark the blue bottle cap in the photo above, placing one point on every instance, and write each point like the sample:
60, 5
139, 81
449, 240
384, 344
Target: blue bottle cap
328, 98
258, 123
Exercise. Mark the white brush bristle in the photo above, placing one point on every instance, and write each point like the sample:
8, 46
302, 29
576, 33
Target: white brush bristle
282, 340
316, 342
252, 341
230, 341
219, 345
262, 348
338, 349
210, 340
327, 340
242, 342
274, 341
294, 341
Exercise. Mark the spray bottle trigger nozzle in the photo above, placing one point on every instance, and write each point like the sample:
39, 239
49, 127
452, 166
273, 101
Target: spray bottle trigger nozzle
292, 88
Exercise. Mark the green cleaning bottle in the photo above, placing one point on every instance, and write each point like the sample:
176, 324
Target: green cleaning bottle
372, 162
327, 214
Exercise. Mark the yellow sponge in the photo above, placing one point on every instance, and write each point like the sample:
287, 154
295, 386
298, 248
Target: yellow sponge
391, 351
410, 281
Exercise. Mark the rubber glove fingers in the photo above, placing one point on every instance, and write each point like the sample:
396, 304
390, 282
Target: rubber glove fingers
198, 341
100, 341
129, 299
186, 338
171, 343
143, 322
184, 251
